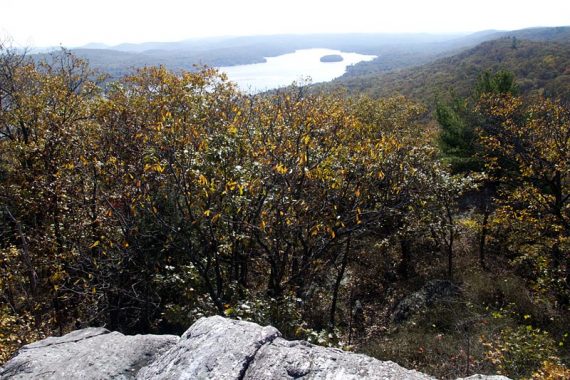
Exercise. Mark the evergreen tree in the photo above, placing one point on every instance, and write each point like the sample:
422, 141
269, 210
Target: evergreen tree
458, 138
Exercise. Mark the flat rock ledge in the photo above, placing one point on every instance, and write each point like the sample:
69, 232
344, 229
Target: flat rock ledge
212, 348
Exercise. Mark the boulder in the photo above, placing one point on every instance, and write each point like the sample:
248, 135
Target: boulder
91, 353
431, 293
219, 348
284, 360
212, 348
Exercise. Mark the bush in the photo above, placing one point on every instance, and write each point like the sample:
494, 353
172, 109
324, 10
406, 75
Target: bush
551, 371
520, 351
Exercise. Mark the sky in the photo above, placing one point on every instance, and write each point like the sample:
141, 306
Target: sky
38, 23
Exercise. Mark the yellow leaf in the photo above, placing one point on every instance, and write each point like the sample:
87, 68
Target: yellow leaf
202, 180
281, 169
94, 244
314, 231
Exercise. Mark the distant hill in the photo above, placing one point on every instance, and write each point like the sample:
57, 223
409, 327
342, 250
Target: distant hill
555, 34
539, 58
227, 51
94, 45
397, 57
394, 51
362, 42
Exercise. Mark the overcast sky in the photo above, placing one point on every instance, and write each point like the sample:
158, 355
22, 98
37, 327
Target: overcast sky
76, 22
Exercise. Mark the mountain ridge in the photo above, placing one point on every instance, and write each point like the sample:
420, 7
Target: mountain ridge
540, 66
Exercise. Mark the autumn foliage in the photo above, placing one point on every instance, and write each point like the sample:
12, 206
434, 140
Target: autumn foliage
145, 203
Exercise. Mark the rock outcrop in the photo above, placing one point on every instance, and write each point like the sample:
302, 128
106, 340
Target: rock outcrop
212, 348
91, 353
432, 292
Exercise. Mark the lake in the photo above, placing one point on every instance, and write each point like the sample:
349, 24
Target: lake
284, 69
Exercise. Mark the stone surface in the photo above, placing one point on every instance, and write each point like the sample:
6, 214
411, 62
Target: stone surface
283, 360
432, 292
212, 348
92, 353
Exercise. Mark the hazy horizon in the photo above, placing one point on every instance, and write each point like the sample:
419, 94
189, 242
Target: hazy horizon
228, 36
63, 22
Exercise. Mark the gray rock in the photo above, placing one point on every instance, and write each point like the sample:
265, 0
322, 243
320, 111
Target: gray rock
91, 353
284, 360
213, 348
484, 377
432, 292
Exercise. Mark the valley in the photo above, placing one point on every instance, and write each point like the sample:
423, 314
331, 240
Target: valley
400, 195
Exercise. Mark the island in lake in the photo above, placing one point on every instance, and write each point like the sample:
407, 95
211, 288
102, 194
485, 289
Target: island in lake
331, 58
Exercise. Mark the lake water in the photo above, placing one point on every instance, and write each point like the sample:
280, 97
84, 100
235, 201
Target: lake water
284, 69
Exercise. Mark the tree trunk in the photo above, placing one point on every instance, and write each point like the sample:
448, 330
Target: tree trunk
404, 267
336, 288
449, 247
483, 237
25, 253
450, 259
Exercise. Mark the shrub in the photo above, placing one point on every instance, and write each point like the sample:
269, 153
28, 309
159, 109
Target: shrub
520, 351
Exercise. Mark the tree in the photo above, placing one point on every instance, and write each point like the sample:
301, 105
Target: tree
502, 82
458, 138
533, 203
45, 127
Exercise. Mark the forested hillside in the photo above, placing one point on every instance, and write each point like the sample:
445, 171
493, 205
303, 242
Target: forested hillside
441, 243
541, 67
402, 56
